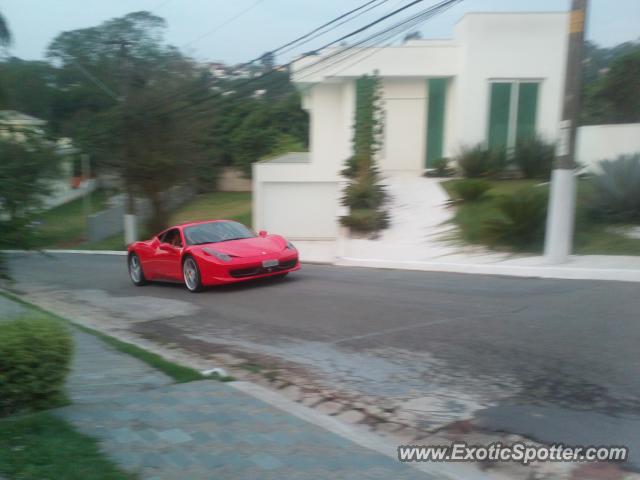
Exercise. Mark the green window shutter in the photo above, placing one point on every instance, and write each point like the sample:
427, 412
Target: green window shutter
499, 114
527, 106
435, 119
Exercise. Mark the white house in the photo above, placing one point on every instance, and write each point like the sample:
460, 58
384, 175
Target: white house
500, 77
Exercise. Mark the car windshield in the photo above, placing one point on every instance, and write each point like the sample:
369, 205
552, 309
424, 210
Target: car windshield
215, 232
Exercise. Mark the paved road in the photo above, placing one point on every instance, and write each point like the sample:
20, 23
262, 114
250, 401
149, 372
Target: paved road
446, 344
157, 429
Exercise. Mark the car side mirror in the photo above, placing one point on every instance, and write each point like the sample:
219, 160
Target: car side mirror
167, 247
262, 233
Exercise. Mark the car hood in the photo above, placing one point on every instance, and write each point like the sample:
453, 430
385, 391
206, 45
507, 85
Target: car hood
249, 247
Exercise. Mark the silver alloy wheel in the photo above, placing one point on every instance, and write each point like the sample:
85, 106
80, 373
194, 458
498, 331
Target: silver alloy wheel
134, 268
190, 274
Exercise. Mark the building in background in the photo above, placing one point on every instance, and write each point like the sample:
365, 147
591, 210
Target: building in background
499, 79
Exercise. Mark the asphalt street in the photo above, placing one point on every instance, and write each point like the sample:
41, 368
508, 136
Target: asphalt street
450, 345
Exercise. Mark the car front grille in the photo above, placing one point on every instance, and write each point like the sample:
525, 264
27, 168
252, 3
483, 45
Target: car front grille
259, 270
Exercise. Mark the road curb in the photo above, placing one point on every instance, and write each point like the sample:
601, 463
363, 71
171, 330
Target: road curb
365, 439
551, 271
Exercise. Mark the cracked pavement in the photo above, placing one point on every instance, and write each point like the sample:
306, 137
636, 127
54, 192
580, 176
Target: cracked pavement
445, 347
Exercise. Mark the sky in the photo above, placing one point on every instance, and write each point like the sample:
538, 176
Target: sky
240, 30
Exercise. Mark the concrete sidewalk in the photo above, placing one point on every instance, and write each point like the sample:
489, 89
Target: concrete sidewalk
157, 429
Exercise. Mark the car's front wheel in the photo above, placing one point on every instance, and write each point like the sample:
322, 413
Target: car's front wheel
135, 270
191, 275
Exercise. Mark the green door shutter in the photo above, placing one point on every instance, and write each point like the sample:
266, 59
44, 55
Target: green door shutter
527, 106
435, 119
499, 115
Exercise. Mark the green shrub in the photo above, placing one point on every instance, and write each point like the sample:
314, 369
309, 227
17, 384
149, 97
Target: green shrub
478, 161
520, 220
364, 194
366, 220
534, 157
34, 360
440, 168
470, 190
616, 190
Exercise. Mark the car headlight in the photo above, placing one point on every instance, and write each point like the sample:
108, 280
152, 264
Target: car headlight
290, 246
219, 255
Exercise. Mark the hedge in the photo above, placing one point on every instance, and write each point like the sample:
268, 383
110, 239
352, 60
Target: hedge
35, 356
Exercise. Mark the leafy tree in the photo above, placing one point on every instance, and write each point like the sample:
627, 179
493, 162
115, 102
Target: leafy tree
28, 163
611, 92
364, 195
28, 87
152, 134
247, 129
5, 33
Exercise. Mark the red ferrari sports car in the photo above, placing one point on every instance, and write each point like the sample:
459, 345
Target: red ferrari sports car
216, 252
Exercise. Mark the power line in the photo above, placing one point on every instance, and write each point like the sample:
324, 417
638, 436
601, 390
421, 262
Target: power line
336, 26
331, 22
315, 30
348, 35
385, 34
411, 22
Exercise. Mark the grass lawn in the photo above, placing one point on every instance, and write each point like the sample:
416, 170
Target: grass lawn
590, 238
40, 445
216, 205
65, 226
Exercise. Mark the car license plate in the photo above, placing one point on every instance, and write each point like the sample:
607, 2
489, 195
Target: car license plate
270, 263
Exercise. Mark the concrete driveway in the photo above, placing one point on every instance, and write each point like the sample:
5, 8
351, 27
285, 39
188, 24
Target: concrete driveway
446, 346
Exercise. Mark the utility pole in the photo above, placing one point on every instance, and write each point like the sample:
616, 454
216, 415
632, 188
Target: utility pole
130, 220
560, 218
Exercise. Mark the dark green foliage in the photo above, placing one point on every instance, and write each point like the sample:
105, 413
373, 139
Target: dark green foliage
441, 167
534, 157
611, 92
364, 195
366, 220
477, 161
5, 33
26, 168
34, 360
470, 190
28, 87
616, 190
520, 220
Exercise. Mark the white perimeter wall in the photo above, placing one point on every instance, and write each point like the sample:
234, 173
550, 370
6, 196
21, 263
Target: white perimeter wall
300, 210
605, 142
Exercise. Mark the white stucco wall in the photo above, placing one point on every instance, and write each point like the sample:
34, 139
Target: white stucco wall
514, 46
295, 198
300, 210
331, 110
605, 142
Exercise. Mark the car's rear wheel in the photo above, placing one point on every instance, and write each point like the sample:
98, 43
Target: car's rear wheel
135, 270
191, 275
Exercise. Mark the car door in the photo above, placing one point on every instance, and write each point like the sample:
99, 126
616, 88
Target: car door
168, 255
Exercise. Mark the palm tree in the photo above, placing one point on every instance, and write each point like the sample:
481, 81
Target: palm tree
5, 34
